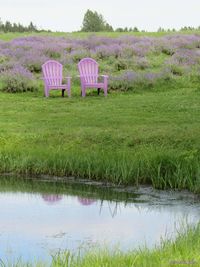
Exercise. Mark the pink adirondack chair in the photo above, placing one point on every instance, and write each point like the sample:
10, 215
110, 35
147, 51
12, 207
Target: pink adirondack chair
52, 75
89, 75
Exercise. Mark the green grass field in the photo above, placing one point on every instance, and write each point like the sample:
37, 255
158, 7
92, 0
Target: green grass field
130, 138
10, 36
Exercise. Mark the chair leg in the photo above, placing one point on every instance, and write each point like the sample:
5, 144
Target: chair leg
69, 87
63, 92
98, 90
69, 92
46, 91
105, 91
83, 92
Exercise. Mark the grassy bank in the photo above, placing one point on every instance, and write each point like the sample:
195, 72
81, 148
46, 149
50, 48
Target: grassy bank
132, 138
183, 251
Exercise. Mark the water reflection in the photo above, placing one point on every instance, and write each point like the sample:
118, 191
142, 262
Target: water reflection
86, 201
52, 199
113, 209
83, 214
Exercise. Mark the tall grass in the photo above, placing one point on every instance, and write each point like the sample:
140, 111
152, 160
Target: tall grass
163, 169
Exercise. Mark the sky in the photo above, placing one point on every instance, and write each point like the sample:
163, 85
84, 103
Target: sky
67, 15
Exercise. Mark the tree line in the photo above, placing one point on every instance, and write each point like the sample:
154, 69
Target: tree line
95, 22
92, 22
17, 27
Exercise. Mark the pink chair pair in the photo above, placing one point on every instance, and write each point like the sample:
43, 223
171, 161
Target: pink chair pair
89, 76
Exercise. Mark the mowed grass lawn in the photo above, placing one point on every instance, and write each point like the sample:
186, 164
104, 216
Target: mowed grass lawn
131, 138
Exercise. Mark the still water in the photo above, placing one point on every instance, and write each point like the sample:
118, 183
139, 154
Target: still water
40, 218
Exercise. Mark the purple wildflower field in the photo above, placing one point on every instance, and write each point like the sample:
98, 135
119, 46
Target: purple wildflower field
128, 60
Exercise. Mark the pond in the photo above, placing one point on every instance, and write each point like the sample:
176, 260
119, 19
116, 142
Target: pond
42, 217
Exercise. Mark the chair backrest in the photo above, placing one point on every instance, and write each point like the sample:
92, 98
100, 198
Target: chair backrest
88, 68
52, 72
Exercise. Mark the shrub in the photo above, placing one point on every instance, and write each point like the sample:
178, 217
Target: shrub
78, 55
52, 54
142, 63
6, 66
121, 65
3, 59
104, 51
16, 80
33, 61
176, 70
132, 81
186, 57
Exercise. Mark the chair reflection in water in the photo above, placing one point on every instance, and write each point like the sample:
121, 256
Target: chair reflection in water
52, 199
112, 210
86, 201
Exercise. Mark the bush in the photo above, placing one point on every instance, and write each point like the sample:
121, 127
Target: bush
142, 63
176, 70
53, 54
121, 65
76, 56
33, 61
132, 81
16, 80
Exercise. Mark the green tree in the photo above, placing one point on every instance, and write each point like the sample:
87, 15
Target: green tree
31, 27
119, 30
108, 28
1, 26
94, 22
135, 29
160, 29
8, 26
15, 28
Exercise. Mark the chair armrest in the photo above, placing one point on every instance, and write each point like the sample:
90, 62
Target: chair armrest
104, 76
83, 76
49, 77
